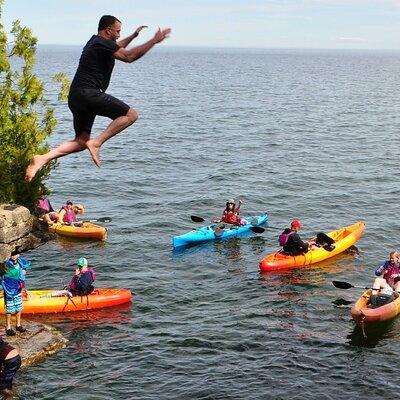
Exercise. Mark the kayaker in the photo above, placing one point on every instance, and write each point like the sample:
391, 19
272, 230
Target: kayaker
231, 214
88, 98
10, 362
68, 213
13, 282
388, 275
292, 244
81, 283
44, 209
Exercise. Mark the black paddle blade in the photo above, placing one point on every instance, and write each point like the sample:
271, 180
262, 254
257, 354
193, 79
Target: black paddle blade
104, 219
342, 285
194, 218
257, 229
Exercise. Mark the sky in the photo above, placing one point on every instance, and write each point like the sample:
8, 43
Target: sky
330, 24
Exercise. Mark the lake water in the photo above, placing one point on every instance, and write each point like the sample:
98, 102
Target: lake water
300, 134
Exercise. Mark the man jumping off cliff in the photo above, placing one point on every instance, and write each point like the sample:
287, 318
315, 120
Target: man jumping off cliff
87, 97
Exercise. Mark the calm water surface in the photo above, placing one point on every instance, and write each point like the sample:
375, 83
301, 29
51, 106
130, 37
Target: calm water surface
300, 134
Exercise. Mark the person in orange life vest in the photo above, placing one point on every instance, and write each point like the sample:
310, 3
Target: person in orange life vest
231, 214
390, 280
68, 213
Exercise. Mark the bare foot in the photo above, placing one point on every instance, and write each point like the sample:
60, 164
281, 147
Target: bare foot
36, 163
94, 150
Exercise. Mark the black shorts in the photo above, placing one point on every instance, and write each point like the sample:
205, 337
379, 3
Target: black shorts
85, 104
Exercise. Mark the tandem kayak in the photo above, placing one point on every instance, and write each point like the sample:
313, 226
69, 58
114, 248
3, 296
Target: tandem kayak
362, 312
343, 237
41, 302
88, 230
211, 232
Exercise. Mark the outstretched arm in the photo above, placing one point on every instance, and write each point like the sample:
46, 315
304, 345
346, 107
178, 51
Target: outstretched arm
135, 53
125, 42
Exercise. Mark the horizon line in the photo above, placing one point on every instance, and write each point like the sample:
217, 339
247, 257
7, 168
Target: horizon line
242, 47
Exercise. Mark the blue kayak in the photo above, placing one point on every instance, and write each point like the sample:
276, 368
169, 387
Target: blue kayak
214, 232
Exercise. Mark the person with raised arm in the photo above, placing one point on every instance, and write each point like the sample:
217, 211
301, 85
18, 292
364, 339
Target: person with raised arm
88, 98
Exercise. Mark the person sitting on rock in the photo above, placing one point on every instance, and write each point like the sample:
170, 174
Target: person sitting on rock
81, 283
13, 282
10, 362
44, 210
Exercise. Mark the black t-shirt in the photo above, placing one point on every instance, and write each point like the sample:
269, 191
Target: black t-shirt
96, 64
295, 245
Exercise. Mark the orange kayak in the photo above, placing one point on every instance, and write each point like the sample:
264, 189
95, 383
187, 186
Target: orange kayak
344, 238
86, 231
40, 302
361, 311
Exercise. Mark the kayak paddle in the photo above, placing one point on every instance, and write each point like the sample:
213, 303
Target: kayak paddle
194, 218
256, 229
102, 219
347, 285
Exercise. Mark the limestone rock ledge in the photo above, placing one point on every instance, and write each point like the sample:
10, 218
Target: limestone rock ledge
19, 228
37, 343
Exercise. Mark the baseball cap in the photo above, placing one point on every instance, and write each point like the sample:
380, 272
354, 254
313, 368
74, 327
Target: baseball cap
296, 223
82, 262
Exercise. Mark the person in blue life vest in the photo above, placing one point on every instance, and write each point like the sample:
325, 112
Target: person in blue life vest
13, 281
81, 283
10, 362
293, 245
88, 98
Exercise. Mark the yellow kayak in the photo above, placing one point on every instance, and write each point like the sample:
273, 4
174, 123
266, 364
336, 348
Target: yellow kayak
87, 230
344, 238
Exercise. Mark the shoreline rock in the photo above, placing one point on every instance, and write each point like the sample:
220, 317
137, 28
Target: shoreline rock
18, 227
37, 343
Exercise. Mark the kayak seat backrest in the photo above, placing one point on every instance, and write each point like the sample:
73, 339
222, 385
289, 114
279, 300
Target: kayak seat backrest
380, 299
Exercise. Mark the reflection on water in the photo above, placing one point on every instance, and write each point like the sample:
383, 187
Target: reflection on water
84, 319
67, 244
370, 335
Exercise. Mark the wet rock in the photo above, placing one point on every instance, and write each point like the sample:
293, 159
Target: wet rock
37, 343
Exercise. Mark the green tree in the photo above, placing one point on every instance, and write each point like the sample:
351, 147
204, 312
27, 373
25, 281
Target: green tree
25, 119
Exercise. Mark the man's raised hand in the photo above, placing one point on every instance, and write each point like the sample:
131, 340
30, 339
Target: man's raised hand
161, 34
138, 29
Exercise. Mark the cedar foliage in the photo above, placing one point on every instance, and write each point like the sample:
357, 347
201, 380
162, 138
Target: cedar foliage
25, 120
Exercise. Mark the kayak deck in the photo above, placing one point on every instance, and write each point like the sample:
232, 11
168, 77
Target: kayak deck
344, 238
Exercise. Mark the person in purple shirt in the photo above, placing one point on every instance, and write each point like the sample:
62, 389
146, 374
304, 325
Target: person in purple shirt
88, 98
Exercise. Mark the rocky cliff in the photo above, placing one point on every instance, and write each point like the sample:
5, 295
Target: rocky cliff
19, 228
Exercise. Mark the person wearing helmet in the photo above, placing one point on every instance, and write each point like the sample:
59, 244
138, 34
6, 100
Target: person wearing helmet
81, 283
